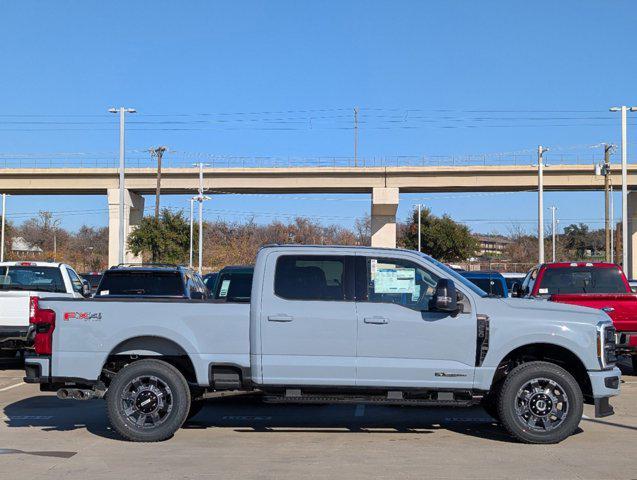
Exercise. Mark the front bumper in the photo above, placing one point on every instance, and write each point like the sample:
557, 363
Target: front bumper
605, 384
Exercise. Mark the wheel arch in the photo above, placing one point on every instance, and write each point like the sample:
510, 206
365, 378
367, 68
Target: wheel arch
547, 352
150, 346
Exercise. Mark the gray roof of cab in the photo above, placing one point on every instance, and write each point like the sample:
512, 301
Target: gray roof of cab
361, 247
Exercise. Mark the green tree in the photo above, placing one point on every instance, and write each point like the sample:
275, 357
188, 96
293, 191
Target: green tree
166, 239
578, 238
441, 237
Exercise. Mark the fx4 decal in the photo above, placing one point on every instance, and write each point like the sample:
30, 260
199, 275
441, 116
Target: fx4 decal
86, 316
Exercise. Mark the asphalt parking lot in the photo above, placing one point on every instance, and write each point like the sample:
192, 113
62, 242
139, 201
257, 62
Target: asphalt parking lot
43, 437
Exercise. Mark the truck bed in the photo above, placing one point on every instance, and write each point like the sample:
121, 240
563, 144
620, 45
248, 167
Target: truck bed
87, 330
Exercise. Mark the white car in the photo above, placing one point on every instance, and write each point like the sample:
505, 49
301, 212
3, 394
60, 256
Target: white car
19, 281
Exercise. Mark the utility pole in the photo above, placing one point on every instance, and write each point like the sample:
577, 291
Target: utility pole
553, 228
419, 232
355, 136
159, 153
623, 109
4, 214
540, 202
612, 222
122, 165
608, 149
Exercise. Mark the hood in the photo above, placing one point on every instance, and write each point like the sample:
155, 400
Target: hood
533, 309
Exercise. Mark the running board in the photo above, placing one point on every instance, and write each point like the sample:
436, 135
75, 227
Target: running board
437, 399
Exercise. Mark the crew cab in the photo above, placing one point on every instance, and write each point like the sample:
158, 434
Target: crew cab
332, 325
590, 284
21, 280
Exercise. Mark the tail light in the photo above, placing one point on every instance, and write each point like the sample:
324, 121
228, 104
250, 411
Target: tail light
43, 322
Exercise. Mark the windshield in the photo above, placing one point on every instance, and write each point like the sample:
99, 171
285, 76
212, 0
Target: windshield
456, 276
567, 280
158, 284
42, 279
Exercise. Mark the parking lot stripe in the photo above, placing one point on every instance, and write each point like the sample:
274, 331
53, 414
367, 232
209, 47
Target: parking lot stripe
11, 386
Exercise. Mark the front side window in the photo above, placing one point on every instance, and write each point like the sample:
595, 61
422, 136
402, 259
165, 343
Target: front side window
309, 277
391, 280
75, 280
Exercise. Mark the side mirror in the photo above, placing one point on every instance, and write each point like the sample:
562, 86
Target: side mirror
516, 290
446, 298
86, 289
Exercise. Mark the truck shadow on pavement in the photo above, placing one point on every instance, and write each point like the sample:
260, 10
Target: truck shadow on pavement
250, 415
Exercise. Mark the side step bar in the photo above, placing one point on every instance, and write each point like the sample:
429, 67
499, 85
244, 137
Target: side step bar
435, 399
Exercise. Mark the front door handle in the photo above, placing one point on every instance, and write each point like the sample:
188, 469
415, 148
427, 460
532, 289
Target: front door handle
280, 318
376, 320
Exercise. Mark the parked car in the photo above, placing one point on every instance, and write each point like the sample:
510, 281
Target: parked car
590, 284
152, 280
491, 282
336, 325
93, 279
20, 281
233, 284
209, 280
513, 278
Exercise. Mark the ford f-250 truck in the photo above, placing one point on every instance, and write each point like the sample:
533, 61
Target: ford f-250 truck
332, 324
590, 284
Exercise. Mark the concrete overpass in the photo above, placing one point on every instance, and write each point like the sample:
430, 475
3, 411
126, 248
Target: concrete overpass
383, 183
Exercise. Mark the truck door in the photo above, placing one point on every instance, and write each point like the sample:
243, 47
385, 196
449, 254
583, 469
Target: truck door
401, 342
308, 321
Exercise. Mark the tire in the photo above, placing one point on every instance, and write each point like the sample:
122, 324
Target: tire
148, 401
634, 359
540, 402
195, 408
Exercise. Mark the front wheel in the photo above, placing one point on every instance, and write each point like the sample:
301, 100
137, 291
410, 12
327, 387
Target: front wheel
540, 402
148, 401
634, 358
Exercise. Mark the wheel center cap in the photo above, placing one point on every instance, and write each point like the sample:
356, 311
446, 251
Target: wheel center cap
146, 401
541, 404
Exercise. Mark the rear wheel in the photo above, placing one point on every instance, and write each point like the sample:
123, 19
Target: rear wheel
148, 401
540, 402
634, 358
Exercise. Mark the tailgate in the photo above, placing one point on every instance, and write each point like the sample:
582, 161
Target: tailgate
14, 308
621, 307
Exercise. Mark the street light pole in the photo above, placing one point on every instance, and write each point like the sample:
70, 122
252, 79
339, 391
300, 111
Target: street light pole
4, 214
624, 109
540, 202
200, 198
122, 165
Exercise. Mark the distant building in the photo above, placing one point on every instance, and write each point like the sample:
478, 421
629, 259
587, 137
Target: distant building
19, 246
492, 245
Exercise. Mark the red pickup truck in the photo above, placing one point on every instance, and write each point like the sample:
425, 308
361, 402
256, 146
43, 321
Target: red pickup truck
589, 284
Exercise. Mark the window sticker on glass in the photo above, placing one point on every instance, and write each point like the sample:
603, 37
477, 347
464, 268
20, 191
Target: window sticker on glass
543, 290
415, 295
105, 292
225, 286
395, 280
373, 265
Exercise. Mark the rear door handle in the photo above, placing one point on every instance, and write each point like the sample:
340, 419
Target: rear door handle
376, 320
280, 318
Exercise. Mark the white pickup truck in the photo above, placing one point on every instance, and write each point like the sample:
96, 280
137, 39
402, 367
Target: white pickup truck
19, 281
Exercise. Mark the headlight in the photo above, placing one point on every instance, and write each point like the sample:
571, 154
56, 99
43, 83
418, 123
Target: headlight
606, 345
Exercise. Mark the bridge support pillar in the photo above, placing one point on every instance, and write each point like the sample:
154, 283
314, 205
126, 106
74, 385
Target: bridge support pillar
383, 221
133, 214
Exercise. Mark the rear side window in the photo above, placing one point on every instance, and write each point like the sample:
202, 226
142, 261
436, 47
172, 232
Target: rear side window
40, 279
234, 287
310, 277
164, 284
581, 280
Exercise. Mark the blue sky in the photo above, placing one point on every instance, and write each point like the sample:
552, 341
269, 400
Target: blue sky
280, 79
